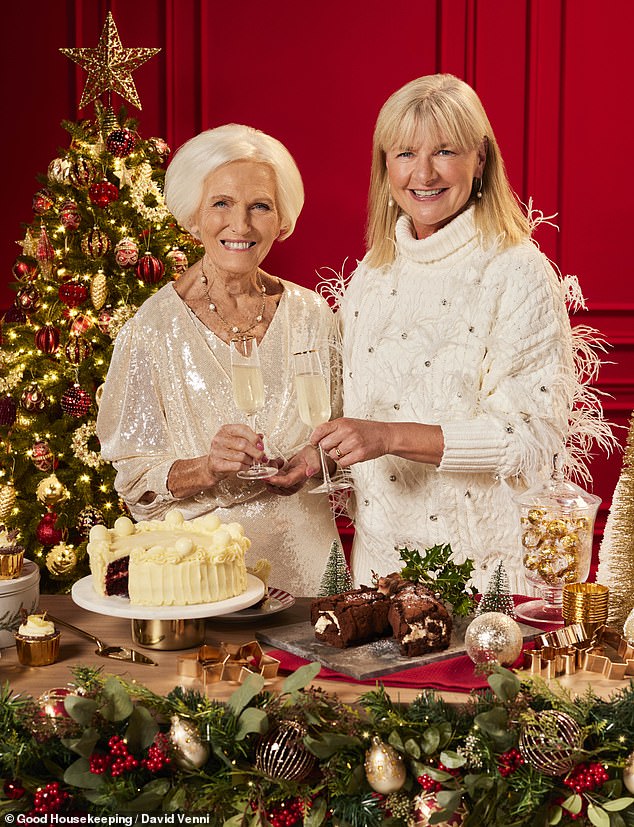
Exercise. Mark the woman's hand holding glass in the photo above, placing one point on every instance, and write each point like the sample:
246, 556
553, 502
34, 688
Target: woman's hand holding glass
313, 401
248, 393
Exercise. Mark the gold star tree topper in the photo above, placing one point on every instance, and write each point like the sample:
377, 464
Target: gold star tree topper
109, 66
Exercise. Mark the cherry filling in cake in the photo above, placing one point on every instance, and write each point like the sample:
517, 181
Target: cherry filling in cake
116, 578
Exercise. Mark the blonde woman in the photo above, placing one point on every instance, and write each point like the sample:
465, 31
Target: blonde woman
459, 370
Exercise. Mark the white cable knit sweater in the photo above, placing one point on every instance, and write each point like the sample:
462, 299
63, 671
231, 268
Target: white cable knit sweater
479, 342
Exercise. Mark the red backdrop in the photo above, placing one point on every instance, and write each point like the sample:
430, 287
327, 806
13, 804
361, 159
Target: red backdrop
554, 75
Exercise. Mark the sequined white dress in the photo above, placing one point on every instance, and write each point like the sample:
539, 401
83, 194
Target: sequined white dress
168, 391
479, 343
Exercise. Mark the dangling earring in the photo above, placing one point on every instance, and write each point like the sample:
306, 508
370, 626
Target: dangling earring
479, 192
390, 201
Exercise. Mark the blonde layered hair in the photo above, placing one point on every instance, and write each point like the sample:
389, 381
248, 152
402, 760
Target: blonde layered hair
443, 108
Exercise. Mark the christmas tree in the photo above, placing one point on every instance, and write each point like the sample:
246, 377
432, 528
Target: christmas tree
616, 555
497, 597
336, 577
101, 241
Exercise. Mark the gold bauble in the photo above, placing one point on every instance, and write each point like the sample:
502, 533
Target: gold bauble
61, 560
551, 742
190, 752
98, 290
51, 491
7, 501
384, 767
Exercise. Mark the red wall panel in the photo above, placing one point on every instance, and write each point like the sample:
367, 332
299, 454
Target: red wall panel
554, 75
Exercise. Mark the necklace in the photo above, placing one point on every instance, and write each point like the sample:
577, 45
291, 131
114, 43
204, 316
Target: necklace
232, 328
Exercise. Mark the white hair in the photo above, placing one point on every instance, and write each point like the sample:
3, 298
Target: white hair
209, 150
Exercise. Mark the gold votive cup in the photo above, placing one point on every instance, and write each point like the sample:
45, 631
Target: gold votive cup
37, 651
587, 604
11, 564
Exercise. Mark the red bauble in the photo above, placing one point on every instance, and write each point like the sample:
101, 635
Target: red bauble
69, 214
13, 788
33, 399
150, 269
103, 193
28, 298
103, 321
52, 702
73, 293
95, 243
42, 201
77, 349
160, 147
42, 456
8, 411
76, 401
15, 315
120, 142
81, 324
46, 532
24, 269
47, 339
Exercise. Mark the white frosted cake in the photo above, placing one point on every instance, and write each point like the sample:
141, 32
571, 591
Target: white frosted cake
170, 562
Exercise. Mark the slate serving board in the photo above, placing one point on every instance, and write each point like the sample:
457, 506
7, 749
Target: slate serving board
369, 660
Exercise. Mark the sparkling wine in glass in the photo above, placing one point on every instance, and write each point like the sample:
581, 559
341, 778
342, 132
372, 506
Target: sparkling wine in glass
248, 392
313, 401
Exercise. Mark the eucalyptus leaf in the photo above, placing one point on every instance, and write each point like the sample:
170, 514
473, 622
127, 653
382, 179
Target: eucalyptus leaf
245, 693
300, 678
504, 683
80, 709
142, 729
251, 720
395, 740
453, 760
317, 813
573, 803
85, 744
412, 748
430, 740
329, 744
117, 704
449, 800
234, 821
598, 816
175, 800
79, 775
555, 815
617, 804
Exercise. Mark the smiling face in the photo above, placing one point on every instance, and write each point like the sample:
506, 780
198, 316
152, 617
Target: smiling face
432, 181
237, 220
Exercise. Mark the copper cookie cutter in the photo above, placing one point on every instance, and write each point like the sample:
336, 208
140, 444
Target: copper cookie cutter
228, 662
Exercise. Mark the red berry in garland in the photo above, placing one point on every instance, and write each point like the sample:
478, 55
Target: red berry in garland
150, 269
76, 401
13, 789
47, 339
49, 799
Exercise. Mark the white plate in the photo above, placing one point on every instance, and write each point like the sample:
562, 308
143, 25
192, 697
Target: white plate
276, 601
85, 596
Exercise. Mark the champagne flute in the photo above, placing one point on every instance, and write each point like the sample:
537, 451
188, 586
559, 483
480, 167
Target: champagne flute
248, 392
313, 401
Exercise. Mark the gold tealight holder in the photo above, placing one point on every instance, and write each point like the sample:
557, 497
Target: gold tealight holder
585, 603
11, 564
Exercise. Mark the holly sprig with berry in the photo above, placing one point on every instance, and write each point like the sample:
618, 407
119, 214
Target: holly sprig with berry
436, 569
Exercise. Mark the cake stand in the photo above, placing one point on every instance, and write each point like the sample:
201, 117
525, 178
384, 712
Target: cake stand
165, 627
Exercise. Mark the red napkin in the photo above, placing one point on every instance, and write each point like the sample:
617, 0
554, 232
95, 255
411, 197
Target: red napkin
450, 675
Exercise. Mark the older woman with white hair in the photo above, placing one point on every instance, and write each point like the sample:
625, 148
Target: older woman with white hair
167, 419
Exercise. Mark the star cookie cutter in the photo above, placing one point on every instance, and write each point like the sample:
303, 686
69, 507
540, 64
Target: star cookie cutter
566, 650
228, 662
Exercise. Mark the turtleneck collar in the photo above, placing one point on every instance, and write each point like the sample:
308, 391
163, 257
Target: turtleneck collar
458, 236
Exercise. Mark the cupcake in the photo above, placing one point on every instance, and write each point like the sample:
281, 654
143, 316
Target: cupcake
37, 641
11, 555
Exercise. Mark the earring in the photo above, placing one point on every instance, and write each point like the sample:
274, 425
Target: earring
390, 201
479, 192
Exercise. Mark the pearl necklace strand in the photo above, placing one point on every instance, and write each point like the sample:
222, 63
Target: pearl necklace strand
214, 307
